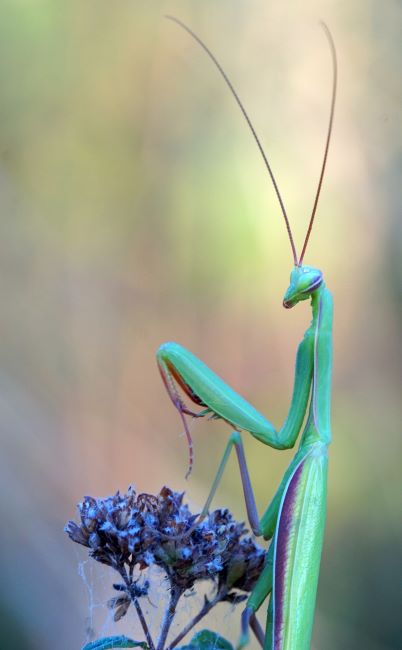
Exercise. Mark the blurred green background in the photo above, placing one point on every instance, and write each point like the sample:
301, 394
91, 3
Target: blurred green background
135, 209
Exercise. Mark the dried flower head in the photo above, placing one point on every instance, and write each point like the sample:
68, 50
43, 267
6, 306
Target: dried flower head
128, 531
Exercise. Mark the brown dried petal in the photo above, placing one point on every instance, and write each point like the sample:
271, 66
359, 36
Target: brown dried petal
120, 604
76, 533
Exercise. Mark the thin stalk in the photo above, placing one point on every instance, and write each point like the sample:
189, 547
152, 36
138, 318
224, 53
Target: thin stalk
175, 594
208, 605
138, 609
143, 622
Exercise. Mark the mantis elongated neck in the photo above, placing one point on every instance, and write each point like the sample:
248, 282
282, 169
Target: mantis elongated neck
318, 426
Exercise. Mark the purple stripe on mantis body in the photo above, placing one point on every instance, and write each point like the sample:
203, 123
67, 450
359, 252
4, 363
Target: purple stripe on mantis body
285, 530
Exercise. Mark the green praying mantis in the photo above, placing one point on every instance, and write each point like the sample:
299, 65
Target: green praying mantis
295, 518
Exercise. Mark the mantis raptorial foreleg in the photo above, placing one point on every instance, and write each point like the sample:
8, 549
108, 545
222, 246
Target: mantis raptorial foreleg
296, 515
179, 366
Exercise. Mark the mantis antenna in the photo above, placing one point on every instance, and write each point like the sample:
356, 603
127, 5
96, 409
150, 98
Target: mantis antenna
329, 132
253, 131
243, 110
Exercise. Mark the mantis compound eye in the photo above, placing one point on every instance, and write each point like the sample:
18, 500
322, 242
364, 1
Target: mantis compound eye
303, 281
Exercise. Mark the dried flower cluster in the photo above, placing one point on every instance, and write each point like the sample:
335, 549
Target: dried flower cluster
132, 530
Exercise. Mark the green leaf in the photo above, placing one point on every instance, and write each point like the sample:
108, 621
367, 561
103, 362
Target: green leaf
207, 640
115, 642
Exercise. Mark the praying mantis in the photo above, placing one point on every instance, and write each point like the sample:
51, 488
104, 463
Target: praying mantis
295, 518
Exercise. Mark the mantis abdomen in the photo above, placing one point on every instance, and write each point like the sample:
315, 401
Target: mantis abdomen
298, 543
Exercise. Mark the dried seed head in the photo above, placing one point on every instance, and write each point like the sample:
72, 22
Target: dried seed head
129, 530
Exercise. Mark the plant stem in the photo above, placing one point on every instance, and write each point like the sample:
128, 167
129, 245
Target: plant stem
143, 622
175, 594
137, 606
208, 605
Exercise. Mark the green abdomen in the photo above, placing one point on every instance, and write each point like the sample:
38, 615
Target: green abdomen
298, 545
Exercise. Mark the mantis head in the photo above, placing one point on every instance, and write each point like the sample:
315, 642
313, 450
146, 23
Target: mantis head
303, 281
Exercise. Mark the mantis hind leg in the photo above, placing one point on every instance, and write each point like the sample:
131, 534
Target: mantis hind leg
265, 526
235, 440
261, 591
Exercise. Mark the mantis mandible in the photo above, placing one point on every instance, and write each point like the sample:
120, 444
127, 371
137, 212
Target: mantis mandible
295, 518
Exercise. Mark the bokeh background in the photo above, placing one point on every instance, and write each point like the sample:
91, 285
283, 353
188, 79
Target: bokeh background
135, 209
